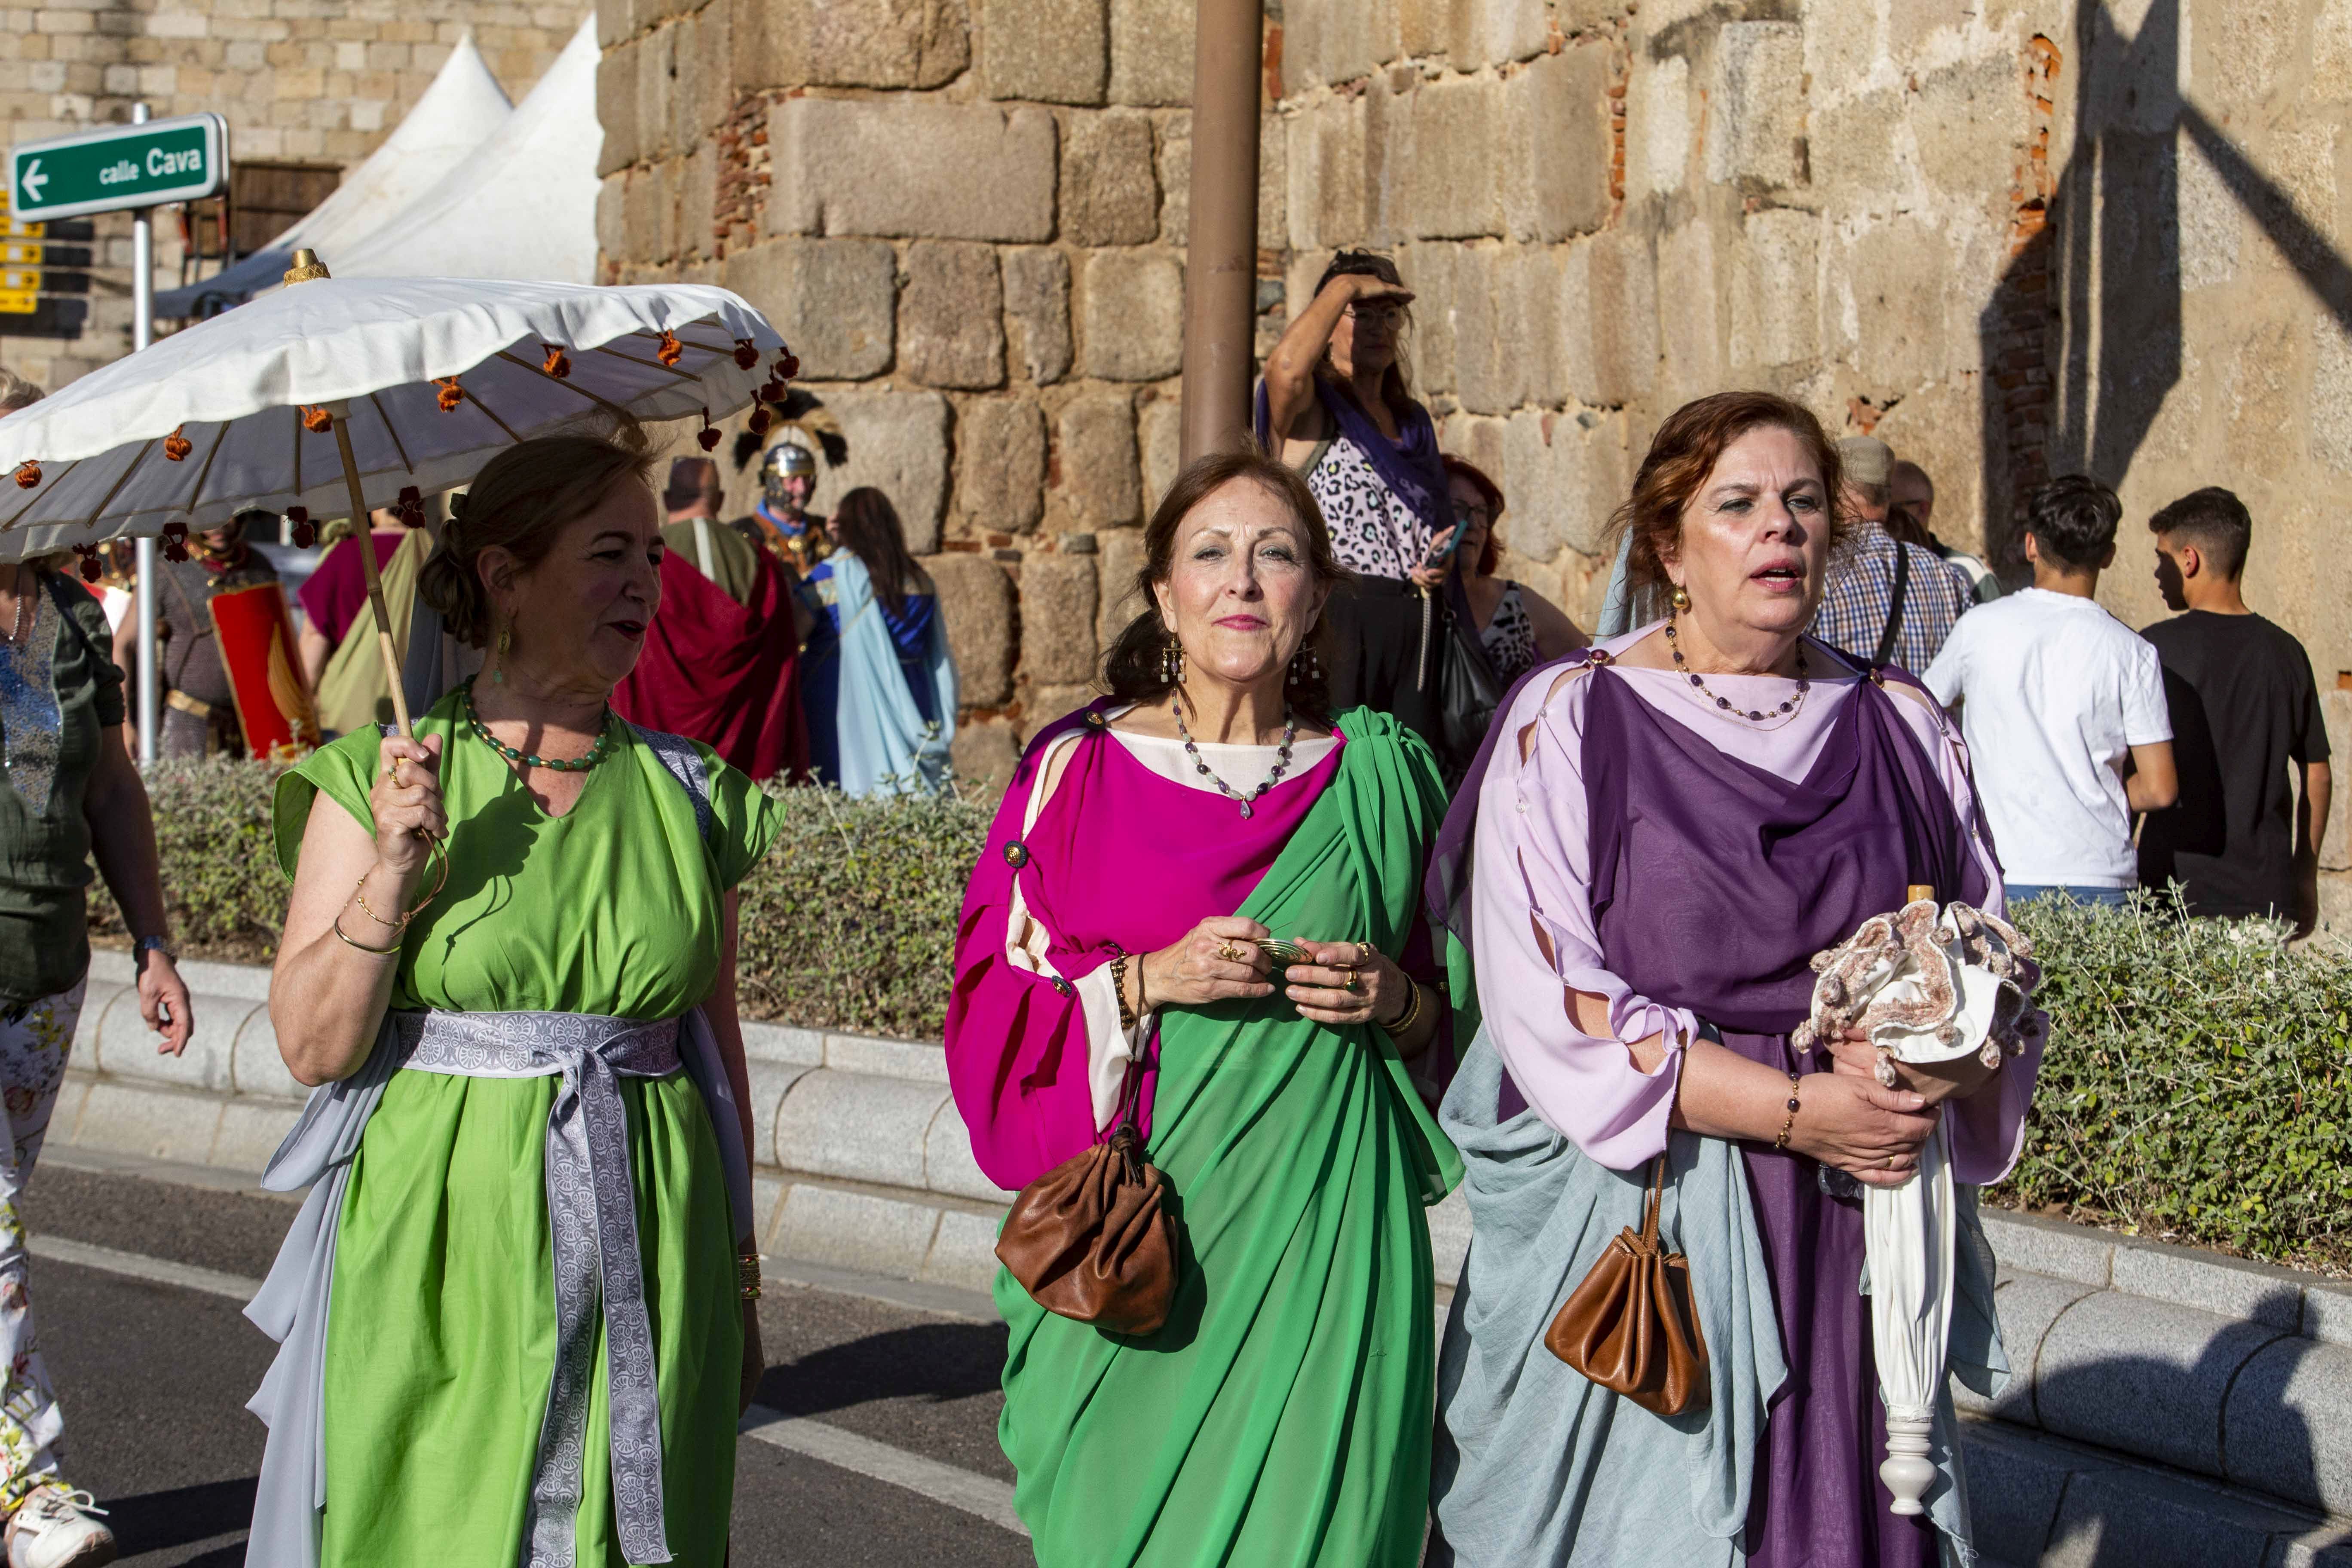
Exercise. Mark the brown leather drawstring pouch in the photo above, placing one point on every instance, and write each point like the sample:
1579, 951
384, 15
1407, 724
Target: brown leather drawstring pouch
1091, 1239
1632, 1326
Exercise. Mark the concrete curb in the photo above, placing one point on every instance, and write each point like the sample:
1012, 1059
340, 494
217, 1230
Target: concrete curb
2137, 1366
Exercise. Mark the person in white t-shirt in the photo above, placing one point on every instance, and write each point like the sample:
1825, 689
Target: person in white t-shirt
2062, 708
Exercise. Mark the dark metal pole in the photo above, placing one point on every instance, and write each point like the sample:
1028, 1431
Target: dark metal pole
1221, 249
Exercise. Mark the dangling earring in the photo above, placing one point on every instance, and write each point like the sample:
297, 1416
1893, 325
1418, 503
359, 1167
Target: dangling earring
498, 666
1682, 600
1172, 662
1306, 665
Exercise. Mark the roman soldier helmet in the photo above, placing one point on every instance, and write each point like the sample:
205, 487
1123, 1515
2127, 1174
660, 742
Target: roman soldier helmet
784, 458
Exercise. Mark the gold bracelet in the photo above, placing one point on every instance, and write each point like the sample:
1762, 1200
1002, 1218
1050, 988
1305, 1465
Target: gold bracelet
1412, 1008
747, 1275
1788, 1126
359, 897
378, 951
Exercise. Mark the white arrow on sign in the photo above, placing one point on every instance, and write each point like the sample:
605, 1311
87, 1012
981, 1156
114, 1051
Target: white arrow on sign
34, 180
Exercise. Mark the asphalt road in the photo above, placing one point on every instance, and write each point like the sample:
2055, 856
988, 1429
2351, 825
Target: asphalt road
153, 1379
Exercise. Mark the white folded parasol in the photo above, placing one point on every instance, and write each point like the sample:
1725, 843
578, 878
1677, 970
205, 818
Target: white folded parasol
1927, 986
339, 396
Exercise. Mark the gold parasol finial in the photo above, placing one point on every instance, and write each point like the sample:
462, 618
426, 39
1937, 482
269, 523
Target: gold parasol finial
306, 267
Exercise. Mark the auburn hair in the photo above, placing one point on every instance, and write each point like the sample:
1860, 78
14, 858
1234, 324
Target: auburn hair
1683, 453
1491, 556
521, 502
1132, 668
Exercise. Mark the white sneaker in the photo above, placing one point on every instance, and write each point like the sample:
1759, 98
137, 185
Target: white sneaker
52, 1529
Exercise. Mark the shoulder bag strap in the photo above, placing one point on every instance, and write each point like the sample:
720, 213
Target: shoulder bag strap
1895, 611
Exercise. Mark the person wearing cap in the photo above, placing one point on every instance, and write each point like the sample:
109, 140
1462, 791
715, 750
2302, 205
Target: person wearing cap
1886, 602
721, 659
780, 521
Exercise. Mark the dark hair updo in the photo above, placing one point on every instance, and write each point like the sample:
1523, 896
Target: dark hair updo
521, 502
1132, 668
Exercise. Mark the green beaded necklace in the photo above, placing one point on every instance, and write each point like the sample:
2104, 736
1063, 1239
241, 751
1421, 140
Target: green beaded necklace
596, 754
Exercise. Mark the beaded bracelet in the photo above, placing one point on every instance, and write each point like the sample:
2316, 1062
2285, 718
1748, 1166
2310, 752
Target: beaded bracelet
1118, 987
1789, 1125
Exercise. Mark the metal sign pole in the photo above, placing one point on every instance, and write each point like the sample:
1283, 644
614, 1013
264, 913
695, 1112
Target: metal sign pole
150, 586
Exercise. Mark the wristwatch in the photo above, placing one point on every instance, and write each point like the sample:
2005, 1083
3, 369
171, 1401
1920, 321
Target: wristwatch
162, 944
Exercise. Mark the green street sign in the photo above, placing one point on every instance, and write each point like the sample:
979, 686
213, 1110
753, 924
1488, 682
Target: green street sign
177, 160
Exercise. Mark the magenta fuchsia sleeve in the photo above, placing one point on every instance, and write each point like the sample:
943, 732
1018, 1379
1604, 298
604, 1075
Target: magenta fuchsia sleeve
1531, 923
1018, 1041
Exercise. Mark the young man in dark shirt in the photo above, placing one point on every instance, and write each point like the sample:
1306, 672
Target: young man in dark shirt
2250, 746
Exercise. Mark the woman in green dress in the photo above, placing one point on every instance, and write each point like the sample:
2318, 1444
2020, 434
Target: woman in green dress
1111, 947
517, 1309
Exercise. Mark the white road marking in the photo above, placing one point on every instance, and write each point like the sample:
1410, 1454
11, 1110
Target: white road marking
983, 1496
139, 1266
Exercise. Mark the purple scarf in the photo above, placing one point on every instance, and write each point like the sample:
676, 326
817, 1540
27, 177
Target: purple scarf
1408, 466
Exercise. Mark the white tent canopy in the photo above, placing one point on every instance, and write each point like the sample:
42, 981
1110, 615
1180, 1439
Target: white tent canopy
456, 114
522, 207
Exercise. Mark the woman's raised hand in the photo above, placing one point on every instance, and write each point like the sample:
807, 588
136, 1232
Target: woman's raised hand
406, 802
1364, 288
1323, 992
1214, 961
1872, 1133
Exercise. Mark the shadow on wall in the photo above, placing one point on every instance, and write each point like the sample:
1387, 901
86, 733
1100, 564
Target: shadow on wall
2082, 341
2109, 1518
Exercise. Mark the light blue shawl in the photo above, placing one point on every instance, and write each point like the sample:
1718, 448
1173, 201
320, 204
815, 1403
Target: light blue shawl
1537, 1467
887, 746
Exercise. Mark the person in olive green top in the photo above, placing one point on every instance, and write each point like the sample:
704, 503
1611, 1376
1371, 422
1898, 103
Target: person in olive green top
68, 793
518, 1312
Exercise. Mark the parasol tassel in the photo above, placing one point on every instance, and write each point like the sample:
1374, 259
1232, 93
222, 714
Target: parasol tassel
451, 393
671, 351
708, 434
761, 420
91, 569
176, 447
175, 540
28, 474
317, 421
747, 353
305, 532
558, 364
410, 508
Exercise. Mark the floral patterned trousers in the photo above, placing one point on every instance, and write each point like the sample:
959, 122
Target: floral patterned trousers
35, 1041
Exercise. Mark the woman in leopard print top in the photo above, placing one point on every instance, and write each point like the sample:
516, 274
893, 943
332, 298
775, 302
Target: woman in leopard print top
1338, 405
1519, 628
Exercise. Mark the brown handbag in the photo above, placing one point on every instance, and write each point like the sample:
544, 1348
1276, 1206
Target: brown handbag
1631, 1327
1092, 1239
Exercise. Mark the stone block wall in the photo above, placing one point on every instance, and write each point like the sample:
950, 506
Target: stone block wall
2011, 239
304, 81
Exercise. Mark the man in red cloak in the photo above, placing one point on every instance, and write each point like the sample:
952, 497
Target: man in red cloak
721, 663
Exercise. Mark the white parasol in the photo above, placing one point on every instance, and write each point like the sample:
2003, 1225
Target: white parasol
1927, 986
340, 396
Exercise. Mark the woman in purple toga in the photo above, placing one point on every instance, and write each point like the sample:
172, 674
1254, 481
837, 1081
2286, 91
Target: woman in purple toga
1663, 831
1110, 944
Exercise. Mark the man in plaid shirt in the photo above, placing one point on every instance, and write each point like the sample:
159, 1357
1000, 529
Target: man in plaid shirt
1859, 612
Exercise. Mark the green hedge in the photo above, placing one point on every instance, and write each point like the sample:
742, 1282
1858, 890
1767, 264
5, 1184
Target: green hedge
849, 923
2196, 1086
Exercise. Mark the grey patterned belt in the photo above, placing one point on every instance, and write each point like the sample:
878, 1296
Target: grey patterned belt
592, 1216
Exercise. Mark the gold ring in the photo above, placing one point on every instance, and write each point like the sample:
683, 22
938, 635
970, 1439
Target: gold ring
1230, 954
1890, 1161
1364, 954
1350, 970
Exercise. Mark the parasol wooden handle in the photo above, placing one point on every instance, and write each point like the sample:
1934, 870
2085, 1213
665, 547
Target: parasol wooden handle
374, 579
1911, 895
